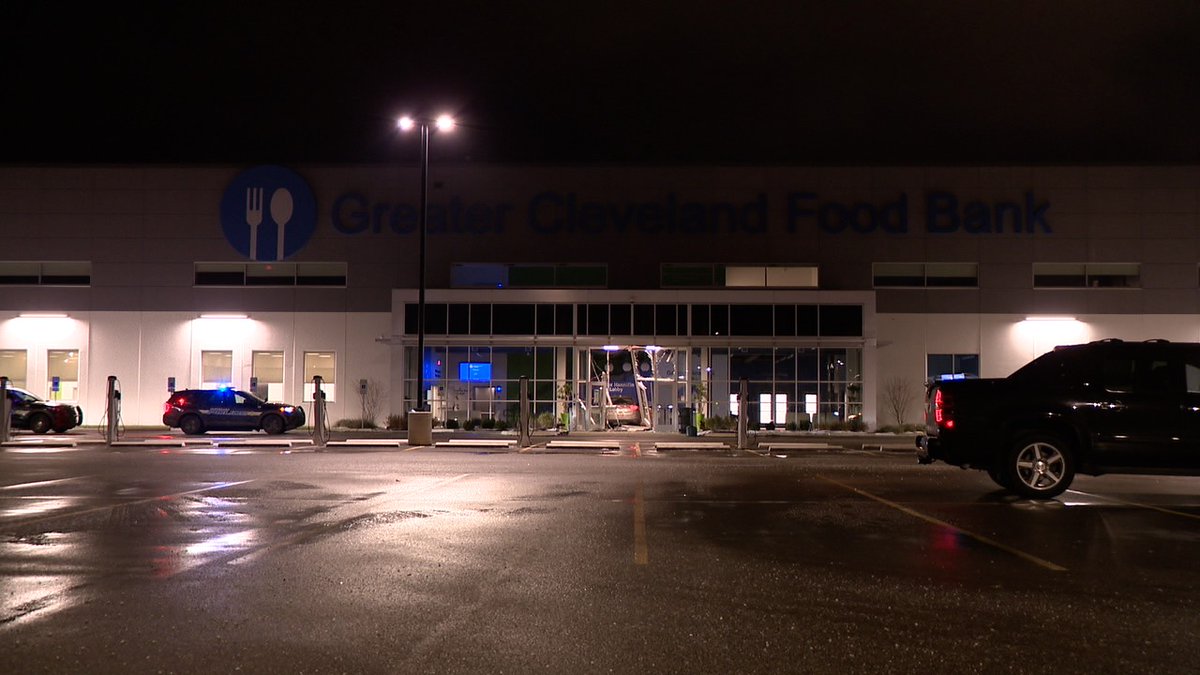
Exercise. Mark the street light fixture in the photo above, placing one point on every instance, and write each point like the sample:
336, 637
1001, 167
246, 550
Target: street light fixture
407, 123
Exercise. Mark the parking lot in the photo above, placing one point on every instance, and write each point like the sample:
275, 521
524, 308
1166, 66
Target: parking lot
627, 554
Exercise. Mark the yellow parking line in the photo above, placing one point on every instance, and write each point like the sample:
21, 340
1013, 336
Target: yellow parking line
930, 519
1144, 506
641, 554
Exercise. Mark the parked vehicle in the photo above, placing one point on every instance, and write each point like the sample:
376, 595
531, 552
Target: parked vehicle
39, 415
195, 411
1103, 407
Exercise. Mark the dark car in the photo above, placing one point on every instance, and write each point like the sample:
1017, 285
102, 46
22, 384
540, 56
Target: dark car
39, 415
195, 411
1104, 407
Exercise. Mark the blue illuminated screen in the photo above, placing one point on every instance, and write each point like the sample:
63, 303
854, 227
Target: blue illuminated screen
474, 372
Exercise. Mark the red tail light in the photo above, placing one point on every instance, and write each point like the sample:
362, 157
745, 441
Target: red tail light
941, 411
166, 407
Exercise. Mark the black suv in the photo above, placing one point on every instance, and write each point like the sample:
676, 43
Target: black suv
40, 416
195, 411
1103, 407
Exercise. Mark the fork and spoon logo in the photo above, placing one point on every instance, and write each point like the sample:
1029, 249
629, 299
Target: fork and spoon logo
289, 219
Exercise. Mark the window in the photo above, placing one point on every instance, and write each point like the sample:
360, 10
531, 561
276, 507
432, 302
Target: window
14, 365
266, 375
62, 374
689, 276
270, 274
840, 320
216, 369
952, 366
511, 319
752, 319
708, 275
75, 273
925, 275
508, 275
1086, 275
320, 274
323, 364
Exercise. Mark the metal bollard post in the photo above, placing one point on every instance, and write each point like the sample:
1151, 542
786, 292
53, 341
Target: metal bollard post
320, 434
523, 418
743, 428
5, 410
112, 411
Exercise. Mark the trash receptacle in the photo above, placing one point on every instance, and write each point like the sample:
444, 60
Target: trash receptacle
420, 427
685, 418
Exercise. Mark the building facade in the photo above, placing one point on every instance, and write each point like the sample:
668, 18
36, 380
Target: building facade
834, 293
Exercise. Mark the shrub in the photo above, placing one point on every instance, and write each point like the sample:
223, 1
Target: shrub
470, 424
397, 422
791, 426
501, 425
488, 423
451, 424
355, 423
546, 421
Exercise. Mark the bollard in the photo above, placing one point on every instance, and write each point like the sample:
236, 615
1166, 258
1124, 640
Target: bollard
112, 411
524, 421
5, 410
320, 433
743, 421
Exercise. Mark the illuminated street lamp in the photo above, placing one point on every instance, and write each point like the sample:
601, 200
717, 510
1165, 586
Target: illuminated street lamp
406, 123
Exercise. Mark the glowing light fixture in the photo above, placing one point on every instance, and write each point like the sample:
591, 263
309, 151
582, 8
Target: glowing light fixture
1050, 318
611, 348
224, 316
43, 315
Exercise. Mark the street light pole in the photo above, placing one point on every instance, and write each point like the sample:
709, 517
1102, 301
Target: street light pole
443, 123
421, 266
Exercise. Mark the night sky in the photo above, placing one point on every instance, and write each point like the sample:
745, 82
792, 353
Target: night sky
697, 82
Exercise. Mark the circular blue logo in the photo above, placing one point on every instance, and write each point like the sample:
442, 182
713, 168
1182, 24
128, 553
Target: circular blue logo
268, 213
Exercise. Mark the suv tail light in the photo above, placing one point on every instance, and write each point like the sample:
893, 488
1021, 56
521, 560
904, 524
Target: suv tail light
943, 413
166, 407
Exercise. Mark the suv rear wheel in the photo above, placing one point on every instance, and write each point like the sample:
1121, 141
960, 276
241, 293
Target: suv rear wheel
191, 425
1039, 466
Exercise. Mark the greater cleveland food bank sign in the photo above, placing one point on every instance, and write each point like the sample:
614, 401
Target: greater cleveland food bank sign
551, 212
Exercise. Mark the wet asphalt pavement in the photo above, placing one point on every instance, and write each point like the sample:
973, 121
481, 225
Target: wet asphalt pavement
588, 560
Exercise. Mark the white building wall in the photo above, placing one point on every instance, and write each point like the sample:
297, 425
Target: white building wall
143, 349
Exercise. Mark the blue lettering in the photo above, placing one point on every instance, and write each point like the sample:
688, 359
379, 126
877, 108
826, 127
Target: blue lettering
1035, 215
403, 220
977, 217
754, 215
551, 203
1007, 209
895, 215
798, 207
350, 214
939, 207
825, 216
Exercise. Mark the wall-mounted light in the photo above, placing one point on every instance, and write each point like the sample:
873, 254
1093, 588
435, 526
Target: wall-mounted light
224, 316
1050, 318
43, 315
611, 348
